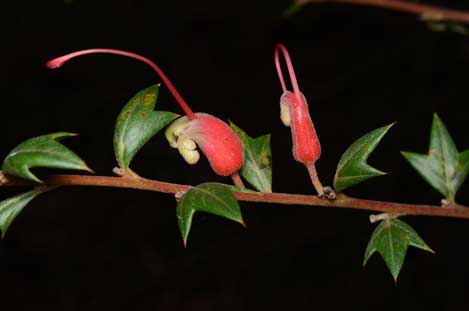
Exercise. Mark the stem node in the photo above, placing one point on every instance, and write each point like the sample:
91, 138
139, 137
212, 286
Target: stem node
3, 179
379, 217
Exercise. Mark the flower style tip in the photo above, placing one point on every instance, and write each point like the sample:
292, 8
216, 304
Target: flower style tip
59, 61
294, 113
55, 63
214, 137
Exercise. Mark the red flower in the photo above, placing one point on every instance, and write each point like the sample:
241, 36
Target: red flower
215, 138
294, 113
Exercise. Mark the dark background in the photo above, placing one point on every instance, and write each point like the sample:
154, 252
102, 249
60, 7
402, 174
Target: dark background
113, 249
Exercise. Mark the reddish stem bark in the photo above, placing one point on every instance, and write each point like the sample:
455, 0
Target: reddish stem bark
342, 201
432, 12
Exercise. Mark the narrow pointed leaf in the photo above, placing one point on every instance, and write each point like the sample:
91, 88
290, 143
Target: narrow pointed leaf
42, 151
137, 123
445, 26
211, 198
257, 167
352, 168
10, 208
391, 239
444, 168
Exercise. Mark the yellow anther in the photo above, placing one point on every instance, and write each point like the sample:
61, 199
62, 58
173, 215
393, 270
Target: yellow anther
285, 110
175, 130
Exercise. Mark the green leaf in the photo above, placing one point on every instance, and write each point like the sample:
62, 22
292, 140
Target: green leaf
137, 123
10, 208
42, 151
257, 167
211, 198
444, 168
391, 239
297, 6
440, 26
243, 190
352, 168
292, 10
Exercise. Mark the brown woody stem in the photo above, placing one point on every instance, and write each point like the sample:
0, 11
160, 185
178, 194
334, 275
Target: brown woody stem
342, 201
428, 12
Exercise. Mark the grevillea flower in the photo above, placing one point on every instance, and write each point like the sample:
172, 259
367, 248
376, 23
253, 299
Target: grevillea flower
214, 137
294, 113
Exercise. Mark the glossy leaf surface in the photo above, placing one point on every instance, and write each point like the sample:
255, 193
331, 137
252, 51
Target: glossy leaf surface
42, 151
257, 167
352, 168
137, 123
391, 240
210, 198
10, 208
444, 168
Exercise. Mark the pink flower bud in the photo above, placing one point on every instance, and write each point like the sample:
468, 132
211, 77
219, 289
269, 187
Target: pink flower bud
214, 137
294, 113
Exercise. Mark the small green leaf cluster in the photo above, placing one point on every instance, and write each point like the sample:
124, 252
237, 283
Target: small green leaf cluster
391, 239
444, 168
42, 151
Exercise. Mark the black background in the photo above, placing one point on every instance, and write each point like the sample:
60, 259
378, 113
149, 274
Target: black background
112, 249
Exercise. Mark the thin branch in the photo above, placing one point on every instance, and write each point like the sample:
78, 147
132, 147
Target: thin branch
427, 12
342, 201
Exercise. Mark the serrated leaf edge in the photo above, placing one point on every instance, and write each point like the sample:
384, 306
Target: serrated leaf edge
346, 158
402, 226
437, 128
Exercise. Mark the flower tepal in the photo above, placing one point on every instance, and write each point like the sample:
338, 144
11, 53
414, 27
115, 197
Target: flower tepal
214, 137
294, 113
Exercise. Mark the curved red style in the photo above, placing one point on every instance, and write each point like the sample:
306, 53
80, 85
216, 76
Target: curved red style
214, 137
